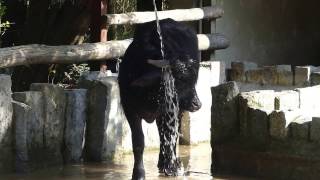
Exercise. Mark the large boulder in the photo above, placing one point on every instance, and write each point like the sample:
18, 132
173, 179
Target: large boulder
6, 138
28, 122
224, 118
54, 111
108, 134
74, 132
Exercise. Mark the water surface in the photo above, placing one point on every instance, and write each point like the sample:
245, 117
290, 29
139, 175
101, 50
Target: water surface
196, 161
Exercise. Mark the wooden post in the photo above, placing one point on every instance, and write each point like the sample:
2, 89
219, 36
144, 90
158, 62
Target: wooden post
98, 26
213, 30
103, 31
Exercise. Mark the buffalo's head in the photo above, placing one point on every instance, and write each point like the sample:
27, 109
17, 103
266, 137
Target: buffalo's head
185, 73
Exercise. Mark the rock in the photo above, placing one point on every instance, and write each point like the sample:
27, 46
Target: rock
279, 123
254, 76
74, 133
249, 101
238, 70
269, 75
309, 100
302, 75
224, 119
108, 134
315, 129
315, 78
257, 125
29, 123
54, 110
299, 128
287, 100
285, 75
6, 149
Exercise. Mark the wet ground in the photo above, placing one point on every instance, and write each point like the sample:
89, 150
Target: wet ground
196, 161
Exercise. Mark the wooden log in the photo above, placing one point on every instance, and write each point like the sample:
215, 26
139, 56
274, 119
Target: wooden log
214, 41
67, 54
194, 14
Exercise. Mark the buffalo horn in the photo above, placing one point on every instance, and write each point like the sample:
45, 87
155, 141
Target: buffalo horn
159, 63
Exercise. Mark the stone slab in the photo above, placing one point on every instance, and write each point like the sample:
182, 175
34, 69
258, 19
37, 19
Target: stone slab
315, 129
269, 75
309, 100
257, 125
287, 100
254, 76
6, 137
75, 118
285, 75
29, 123
279, 123
299, 128
238, 70
315, 78
54, 110
302, 75
224, 117
250, 101
108, 135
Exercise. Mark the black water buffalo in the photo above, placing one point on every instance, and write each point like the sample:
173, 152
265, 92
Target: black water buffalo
141, 90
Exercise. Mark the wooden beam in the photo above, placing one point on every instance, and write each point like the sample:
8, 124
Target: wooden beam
42, 54
194, 14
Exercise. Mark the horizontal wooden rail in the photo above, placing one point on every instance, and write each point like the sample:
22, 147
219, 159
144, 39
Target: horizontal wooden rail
194, 14
67, 54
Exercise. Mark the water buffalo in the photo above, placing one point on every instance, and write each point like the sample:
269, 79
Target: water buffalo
142, 91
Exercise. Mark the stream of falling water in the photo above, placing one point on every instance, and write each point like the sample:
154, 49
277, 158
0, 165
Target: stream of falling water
170, 104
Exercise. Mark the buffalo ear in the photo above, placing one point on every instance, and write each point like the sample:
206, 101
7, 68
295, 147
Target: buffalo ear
147, 79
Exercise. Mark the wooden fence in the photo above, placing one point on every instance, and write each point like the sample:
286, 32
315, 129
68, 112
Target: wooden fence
42, 54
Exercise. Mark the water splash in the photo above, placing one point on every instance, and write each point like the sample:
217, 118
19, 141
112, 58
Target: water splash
170, 110
158, 29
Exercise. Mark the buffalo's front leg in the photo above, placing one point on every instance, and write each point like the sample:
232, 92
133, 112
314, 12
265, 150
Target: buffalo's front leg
168, 162
137, 147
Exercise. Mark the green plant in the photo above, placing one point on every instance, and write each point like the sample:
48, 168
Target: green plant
72, 76
3, 25
122, 6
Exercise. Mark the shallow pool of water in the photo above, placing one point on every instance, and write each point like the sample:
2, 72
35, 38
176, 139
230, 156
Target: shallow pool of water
195, 159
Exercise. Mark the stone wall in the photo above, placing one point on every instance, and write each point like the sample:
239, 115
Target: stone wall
50, 126
251, 76
266, 133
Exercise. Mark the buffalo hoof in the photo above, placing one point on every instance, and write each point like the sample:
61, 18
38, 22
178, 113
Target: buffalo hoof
138, 174
170, 168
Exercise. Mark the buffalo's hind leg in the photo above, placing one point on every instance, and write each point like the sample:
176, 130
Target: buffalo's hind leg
137, 147
168, 162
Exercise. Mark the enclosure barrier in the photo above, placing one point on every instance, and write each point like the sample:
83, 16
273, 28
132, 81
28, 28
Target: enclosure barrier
42, 54
267, 123
43, 119
209, 12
